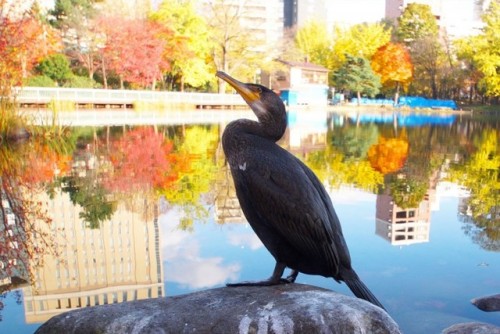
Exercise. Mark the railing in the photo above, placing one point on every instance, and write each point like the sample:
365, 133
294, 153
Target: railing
102, 117
43, 96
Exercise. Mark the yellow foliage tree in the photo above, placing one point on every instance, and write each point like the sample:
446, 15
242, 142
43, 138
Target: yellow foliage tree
361, 40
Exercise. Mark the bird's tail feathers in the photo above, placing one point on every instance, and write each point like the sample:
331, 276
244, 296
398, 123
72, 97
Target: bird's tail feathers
360, 290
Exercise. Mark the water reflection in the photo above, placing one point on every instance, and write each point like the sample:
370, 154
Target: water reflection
83, 223
115, 262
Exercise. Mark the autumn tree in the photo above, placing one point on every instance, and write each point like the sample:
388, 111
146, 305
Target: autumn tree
234, 48
357, 76
481, 52
392, 62
470, 74
188, 43
24, 40
133, 50
314, 42
362, 40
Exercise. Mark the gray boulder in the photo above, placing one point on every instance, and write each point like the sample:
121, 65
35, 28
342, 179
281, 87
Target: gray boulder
472, 328
488, 303
290, 308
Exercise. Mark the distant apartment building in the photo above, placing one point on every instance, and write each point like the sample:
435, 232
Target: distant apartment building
343, 13
458, 18
120, 261
263, 18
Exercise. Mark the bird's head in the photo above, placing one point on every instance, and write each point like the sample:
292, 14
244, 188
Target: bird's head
266, 105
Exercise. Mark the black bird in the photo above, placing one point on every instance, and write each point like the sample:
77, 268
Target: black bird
284, 202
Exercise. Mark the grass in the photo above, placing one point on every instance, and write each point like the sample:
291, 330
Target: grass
482, 108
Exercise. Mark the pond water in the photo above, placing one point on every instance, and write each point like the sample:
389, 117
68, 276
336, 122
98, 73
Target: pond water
106, 214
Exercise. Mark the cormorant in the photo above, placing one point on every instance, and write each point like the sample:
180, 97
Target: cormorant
284, 202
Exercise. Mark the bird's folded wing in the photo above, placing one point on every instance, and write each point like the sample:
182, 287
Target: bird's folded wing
292, 202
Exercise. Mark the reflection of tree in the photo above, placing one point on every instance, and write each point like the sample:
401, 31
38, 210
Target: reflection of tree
354, 141
140, 161
408, 193
25, 169
344, 161
92, 197
332, 166
389, 154
84, 185
480, 174
18, 297
193, 171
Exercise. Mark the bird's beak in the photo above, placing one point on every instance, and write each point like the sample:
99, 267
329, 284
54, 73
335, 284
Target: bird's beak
249, 95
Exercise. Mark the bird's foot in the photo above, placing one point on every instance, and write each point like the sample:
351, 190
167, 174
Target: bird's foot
291, 278
267, 282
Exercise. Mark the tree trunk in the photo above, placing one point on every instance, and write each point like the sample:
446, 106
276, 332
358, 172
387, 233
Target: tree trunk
104, 76
396, 96
359, 98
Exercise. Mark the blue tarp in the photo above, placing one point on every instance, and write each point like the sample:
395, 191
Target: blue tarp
406, 120
408, 101
421, 102
373, 102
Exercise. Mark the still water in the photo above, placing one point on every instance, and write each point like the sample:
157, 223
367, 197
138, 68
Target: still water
106, 214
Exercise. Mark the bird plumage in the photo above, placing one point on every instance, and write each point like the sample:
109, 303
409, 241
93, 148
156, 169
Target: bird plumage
282, 199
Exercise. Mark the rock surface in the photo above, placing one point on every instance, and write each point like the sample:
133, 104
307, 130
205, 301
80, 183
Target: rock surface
488, 303
290, 308
472, 328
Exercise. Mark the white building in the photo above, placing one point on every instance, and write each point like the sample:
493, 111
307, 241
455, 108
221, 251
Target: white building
457, 18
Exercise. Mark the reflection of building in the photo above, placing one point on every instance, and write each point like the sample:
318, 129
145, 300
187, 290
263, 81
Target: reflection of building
227, 207
307, 131
118, 262
403, 226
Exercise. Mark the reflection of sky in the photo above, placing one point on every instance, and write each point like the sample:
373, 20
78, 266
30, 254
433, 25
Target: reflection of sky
184, 264
434, 281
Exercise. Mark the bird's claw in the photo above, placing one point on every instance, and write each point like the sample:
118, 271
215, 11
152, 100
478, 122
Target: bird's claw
267, 282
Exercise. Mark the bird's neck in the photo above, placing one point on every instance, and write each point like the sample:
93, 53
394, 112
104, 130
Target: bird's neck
242, 127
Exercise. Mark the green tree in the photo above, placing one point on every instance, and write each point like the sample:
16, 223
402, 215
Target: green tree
190, 43
362, 40
357, 76
55, 67
416, 22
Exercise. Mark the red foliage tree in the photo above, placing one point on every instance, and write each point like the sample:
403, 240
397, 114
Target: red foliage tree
133, 51
24, 41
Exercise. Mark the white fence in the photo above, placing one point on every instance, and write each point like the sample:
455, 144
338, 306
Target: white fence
42, 95
102, 117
